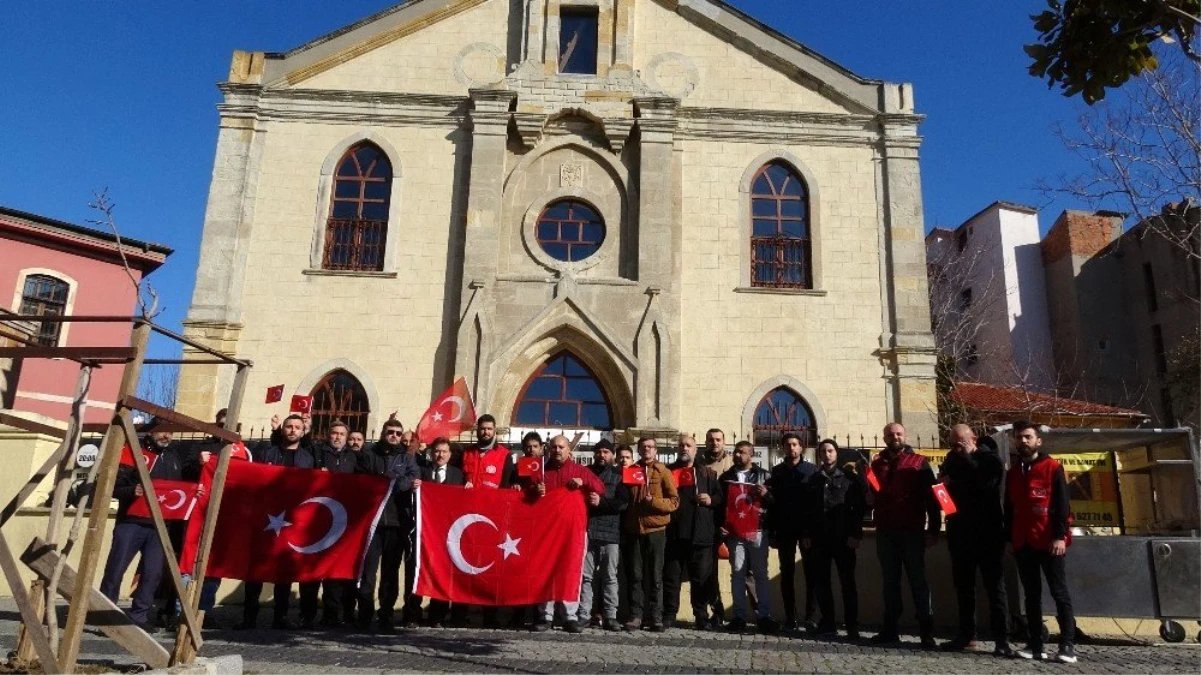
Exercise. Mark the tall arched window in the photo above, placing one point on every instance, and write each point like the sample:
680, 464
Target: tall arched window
782, 410
358, 221
45, 295
339, 396
563, 393
781, 252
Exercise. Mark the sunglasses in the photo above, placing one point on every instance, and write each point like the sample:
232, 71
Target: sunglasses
394, 432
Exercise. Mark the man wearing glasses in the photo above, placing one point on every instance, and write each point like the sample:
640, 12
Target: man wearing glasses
390, 544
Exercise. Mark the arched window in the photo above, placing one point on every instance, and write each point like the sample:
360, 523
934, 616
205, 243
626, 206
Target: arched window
781, 252
570, 230
782, 410
358, 221
339, 396
563, 393
45, 295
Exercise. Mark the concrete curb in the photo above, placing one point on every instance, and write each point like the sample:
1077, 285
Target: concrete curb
220, 665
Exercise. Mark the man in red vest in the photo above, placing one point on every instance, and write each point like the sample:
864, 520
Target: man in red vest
1037, 509
487, 464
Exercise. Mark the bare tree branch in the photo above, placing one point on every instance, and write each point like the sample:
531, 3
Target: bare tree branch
104, 206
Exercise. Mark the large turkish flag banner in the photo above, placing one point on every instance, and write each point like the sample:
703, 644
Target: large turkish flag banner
281, 524
742, 510
449, 415
499, 547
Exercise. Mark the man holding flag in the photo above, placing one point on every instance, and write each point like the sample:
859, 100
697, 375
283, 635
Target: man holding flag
563, 473
691, 536
746, 492
488, 464
652, 501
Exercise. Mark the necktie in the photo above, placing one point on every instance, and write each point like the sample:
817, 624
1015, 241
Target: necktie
440, 477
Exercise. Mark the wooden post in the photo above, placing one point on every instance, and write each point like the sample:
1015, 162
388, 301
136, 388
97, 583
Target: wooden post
110, 458
184, 651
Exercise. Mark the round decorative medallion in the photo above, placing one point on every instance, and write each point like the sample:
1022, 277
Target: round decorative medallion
673, 74
480, 64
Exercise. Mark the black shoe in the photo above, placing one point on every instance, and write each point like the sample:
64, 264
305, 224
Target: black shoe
632, 625
656, 628
246, 624
768, 626
669, 623
612, 626
702, 624
716, 623
1032, 652
283, 624
148, 627
790, 625
736, 626
886, 637
540, 626
852, 634
492, 623
958, 644
574, 627
1066, 653
928, 643
809, 623
330, 623
385, 627
595, 622
1004, 651
307, 624
823, 629
209, 623
363, 626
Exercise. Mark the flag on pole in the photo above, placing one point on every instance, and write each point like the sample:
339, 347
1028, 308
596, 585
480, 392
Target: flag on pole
449, 415
275, 394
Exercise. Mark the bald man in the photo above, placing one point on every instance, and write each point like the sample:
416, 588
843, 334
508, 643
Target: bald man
975, 477
562, 472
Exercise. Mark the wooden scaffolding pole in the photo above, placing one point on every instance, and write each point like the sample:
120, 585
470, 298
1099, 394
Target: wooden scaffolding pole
110, 458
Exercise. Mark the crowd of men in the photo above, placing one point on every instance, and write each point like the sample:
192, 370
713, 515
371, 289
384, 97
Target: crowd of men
648, 538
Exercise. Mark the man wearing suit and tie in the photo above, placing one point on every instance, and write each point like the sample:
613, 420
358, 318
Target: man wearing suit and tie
439, 471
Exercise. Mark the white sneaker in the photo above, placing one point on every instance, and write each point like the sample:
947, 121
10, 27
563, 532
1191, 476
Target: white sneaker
1029, 653
1066, 654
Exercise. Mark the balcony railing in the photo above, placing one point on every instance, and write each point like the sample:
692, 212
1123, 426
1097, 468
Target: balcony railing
780, 262
356, 245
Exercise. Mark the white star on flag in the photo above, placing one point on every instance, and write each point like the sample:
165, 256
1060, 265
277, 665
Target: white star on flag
162, 498
277, 522
437, 416
509, 546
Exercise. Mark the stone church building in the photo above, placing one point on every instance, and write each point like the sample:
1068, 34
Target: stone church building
643, 215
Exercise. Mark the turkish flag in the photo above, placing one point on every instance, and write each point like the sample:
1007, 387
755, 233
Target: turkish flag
301, 404
282, 524
176, 499
633, 475
871, 478
275, 394
449, 415
530, 466
742, 510
495, 547
944, 499
685, 477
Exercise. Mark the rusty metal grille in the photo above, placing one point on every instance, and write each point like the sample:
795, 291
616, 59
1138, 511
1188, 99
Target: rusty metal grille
354, 245
339, 396
780, 262
779, 412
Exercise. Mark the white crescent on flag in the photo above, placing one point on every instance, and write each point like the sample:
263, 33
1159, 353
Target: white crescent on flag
454, 542
183, 497
336, 529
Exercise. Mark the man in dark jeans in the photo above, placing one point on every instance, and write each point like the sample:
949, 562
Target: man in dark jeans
391, 541
646, 519
691, 536
338, 596
907, 522
1037, 518
788, 514
973, 475
832, 535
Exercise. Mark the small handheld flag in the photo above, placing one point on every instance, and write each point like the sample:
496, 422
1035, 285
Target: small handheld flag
275, 394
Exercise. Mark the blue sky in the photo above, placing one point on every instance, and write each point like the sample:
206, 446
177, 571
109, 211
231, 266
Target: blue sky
123, 94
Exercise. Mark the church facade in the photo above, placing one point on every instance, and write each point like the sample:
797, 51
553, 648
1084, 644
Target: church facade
630, 215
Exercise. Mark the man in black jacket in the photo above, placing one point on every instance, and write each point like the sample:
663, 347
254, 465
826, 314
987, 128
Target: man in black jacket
974, 477
604, 538
392, 541
832, 532
691, 536
338, 596
133, 535
439, 471
748, 553
789, 512
291, 452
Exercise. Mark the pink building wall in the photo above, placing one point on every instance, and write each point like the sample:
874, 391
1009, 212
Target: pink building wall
96, 287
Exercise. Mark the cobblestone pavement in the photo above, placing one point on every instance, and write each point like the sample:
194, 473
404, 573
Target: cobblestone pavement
676, 651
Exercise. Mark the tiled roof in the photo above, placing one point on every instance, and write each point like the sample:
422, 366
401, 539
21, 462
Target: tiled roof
994, 399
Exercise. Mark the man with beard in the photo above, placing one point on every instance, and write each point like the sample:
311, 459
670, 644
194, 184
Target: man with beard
604, 537
134, 535
392, 542
833, 532
789, 512
412, 445
907, 522
289, 451
749, 553
1038, 519
691, 536
563, 472
487, 464
356, 440
719, 460
338, 596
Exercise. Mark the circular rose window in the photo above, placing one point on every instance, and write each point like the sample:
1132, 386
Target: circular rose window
570, 230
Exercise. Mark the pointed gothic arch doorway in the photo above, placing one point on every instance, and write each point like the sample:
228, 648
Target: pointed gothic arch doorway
339, 396
563, 393
781, 411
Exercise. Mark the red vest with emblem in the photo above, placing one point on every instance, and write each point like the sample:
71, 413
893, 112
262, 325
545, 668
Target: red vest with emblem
1030, 497
485, 469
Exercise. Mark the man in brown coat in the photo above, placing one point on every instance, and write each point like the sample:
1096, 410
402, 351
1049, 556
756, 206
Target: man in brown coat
646, 519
